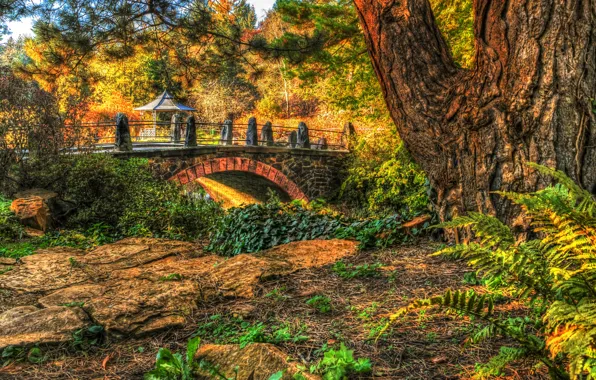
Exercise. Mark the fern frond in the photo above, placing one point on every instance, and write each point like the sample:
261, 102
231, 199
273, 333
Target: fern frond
574, 189
487, 332
497, 363
488, 229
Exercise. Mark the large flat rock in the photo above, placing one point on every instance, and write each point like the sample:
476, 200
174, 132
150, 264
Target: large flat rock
47, 270
138, 286
6, 264
26, 325
57, 268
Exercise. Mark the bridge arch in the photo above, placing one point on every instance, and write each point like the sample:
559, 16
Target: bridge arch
239, 164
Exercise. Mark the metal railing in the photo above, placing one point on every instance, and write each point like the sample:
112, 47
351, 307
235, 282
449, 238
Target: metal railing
102, 135
208, 133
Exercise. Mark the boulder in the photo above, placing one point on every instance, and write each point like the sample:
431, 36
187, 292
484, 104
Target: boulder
138, 301
40, 214
135, 253
47, 195
238, 276
27, 325
33, 212
61, 267
256, 361
139, 286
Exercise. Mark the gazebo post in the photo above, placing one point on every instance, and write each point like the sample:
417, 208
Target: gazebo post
154, 124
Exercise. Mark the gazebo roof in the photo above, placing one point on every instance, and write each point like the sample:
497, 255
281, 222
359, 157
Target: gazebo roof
164, 103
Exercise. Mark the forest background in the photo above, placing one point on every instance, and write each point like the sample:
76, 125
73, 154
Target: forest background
326, 81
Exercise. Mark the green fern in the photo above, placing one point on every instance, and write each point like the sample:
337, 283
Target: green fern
558, 268
496, 364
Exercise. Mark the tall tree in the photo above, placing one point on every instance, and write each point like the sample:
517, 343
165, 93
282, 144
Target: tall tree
529, 96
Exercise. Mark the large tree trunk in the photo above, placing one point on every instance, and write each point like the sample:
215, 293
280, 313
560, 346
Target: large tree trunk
529, 98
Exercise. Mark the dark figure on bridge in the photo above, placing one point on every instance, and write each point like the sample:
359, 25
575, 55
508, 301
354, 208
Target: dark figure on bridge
123, 139
191, 132
267, 134
176, 127
303, 139
292, 138
251, 132
227, 133
222, 134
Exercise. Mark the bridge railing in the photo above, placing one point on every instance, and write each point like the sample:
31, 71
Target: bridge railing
102, 135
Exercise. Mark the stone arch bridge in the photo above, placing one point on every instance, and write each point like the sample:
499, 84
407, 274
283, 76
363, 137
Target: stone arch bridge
301, 173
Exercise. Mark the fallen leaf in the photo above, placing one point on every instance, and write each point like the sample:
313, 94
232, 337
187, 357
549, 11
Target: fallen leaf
439, 359
105, 361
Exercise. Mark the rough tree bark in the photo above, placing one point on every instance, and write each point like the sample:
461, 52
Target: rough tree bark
529, 98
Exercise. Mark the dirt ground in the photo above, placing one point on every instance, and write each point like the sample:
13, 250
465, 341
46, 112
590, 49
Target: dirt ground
429, 345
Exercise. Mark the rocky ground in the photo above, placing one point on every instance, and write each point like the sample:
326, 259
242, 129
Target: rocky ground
150, 293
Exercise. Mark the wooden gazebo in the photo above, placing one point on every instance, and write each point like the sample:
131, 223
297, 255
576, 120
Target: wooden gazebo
163, 103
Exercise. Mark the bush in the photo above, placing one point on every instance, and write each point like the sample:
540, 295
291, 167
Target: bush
339, 364
112, 198
383, 180
554, 274
10, 228
125, 195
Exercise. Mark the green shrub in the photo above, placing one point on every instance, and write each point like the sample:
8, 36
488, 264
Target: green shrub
169, 366
124, 194
115, 198
124, 199
229, 330
87, 337
96, 235
17, 250
554, 274
372, 232
10, 227
383, 180
320, 303
339, 364
349, 271
12, 354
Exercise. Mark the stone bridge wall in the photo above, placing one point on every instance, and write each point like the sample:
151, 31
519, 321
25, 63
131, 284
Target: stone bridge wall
302, 173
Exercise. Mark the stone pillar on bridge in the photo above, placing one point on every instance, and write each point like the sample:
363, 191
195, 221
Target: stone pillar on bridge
227, 133
303, 139
292, 138
267, 134
190, 139
176, 127
348, 136
252, 138
123, 141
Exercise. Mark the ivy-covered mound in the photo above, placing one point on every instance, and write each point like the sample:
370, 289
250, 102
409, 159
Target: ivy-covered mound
261, 226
